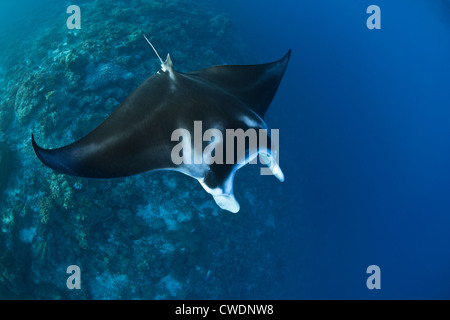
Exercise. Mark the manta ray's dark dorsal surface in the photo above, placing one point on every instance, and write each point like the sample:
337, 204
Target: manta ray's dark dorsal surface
137, 136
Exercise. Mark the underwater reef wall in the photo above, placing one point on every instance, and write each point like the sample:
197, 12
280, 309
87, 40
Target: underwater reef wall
5, 165
152, 236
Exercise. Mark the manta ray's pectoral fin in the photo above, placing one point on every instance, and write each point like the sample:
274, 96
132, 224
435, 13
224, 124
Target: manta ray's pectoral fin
254, 85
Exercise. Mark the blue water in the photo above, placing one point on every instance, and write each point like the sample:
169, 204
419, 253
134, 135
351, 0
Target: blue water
364, 146
364, 119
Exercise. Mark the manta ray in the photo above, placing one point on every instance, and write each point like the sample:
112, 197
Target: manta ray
138, 135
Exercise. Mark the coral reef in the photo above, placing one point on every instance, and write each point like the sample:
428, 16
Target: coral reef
104, 75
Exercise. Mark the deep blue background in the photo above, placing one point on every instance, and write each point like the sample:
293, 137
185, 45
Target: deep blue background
364, 119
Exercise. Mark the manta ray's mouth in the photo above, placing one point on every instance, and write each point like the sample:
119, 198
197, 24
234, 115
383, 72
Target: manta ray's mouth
138, 136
